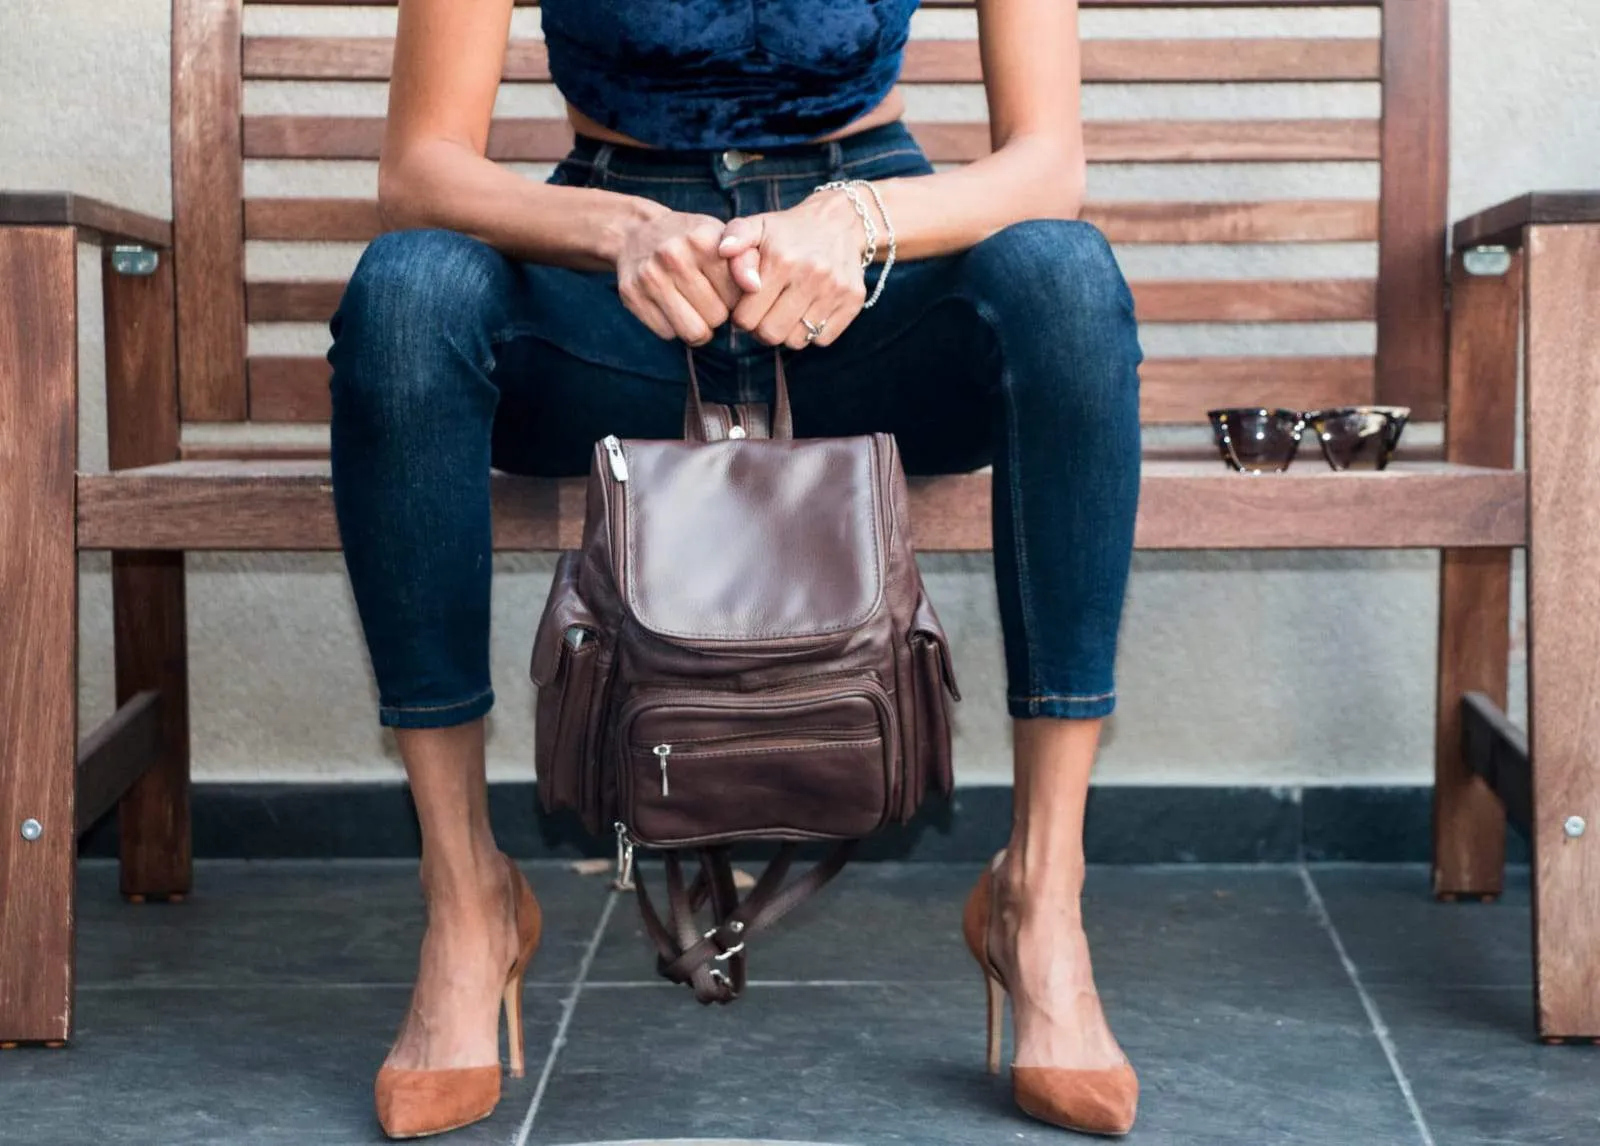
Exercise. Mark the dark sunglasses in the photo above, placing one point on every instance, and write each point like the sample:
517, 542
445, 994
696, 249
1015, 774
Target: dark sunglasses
1352, 437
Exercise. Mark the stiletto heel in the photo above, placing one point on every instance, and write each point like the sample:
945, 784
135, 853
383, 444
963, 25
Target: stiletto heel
417, 1103
513, 1004
1103, 1102
997, 1019
530, 927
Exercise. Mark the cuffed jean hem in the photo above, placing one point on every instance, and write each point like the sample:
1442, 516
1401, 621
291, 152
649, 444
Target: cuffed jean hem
1065, 707
436, 715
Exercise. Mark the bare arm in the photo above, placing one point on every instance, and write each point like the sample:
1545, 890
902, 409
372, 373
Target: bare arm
1032, 77
808, 256
434, 172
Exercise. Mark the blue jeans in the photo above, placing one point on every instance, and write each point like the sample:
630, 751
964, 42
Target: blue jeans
450, 358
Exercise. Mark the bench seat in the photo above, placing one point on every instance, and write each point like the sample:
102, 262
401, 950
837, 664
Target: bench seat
1188, 501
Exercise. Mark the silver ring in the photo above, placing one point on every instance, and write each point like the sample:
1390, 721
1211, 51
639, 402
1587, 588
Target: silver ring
814, 329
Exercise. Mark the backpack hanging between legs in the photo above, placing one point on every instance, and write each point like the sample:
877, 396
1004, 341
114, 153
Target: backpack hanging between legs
741, 651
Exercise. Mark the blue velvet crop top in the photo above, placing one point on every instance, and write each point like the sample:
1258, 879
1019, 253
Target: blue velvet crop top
689, 74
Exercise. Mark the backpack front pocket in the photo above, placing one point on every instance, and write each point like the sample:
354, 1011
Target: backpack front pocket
801, 762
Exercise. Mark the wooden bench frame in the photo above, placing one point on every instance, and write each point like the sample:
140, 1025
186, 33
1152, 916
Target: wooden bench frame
175, 316
1531, 267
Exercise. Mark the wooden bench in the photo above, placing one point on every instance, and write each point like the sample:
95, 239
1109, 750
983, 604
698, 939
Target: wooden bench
1535, 259
182, 313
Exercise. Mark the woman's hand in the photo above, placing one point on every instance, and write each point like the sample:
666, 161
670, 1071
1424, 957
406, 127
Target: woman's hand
671, 276
803, 263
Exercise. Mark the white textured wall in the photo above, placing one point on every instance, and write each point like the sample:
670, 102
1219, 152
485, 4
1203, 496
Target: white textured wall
1235, 668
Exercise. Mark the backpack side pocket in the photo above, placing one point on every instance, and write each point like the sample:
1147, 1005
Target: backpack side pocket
935, 687
565, 655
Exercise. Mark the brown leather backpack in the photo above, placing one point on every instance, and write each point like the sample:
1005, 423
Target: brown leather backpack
742, 650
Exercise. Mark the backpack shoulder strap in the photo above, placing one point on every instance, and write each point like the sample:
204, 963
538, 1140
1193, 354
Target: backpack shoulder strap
686, 955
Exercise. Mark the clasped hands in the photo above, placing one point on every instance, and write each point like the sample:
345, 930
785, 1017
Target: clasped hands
791, 278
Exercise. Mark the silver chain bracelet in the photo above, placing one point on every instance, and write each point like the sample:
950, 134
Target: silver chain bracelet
870, 253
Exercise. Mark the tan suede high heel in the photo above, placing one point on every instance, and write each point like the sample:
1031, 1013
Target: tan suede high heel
1088, 1101
417, 1103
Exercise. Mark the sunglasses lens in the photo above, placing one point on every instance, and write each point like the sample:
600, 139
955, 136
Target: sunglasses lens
1358, 439
1256, 441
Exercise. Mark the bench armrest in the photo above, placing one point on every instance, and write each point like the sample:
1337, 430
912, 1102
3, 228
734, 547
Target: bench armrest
1502, 225
96, 221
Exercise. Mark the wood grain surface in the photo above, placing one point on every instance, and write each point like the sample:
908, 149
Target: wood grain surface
1269, 221
208, 212
1469, 823
115, 755
1496, 749
926, 61
38, 628
1185, 504
147, 588
1503, 224
1172, 390
95, 220
1413, 210
1175, 391
1105, 141
1207, 300
1563, 451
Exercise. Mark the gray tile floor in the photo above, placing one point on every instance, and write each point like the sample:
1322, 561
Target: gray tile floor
1263, 1005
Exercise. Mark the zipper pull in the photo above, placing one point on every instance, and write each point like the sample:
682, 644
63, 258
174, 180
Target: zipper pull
663, 751
619, 463
624, 880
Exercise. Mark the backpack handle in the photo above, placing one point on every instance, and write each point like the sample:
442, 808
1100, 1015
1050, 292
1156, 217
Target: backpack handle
710, 421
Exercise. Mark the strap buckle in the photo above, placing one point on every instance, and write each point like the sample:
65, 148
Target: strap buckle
728, 953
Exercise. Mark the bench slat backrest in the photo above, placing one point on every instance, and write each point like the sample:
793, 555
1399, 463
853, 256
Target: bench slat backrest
249, 114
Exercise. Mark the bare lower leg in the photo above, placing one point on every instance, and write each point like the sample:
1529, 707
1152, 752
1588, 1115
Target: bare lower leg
470, 941
1057, 1011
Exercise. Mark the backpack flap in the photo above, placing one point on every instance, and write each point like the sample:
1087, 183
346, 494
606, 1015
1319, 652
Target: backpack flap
750, 540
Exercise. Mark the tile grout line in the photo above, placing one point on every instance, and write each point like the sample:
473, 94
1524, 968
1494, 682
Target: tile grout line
568, 1006
1379, 1028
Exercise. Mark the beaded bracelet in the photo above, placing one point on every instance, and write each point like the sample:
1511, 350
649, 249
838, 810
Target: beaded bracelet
888, 262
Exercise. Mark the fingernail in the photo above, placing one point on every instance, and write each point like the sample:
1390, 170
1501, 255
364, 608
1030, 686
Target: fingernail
730, 241
755, 281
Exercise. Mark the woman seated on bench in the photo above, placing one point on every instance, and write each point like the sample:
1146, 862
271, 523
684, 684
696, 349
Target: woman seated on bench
508, 323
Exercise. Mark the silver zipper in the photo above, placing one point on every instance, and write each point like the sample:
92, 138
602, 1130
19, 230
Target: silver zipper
624, 880
663, 751
619, 463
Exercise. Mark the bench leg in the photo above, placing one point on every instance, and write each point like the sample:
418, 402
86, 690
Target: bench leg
152, 653
147, 588
1563, 446
1469, 823
38, 629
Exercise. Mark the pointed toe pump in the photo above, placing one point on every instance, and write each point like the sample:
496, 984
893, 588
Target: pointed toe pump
1102, 1102
417, 1103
